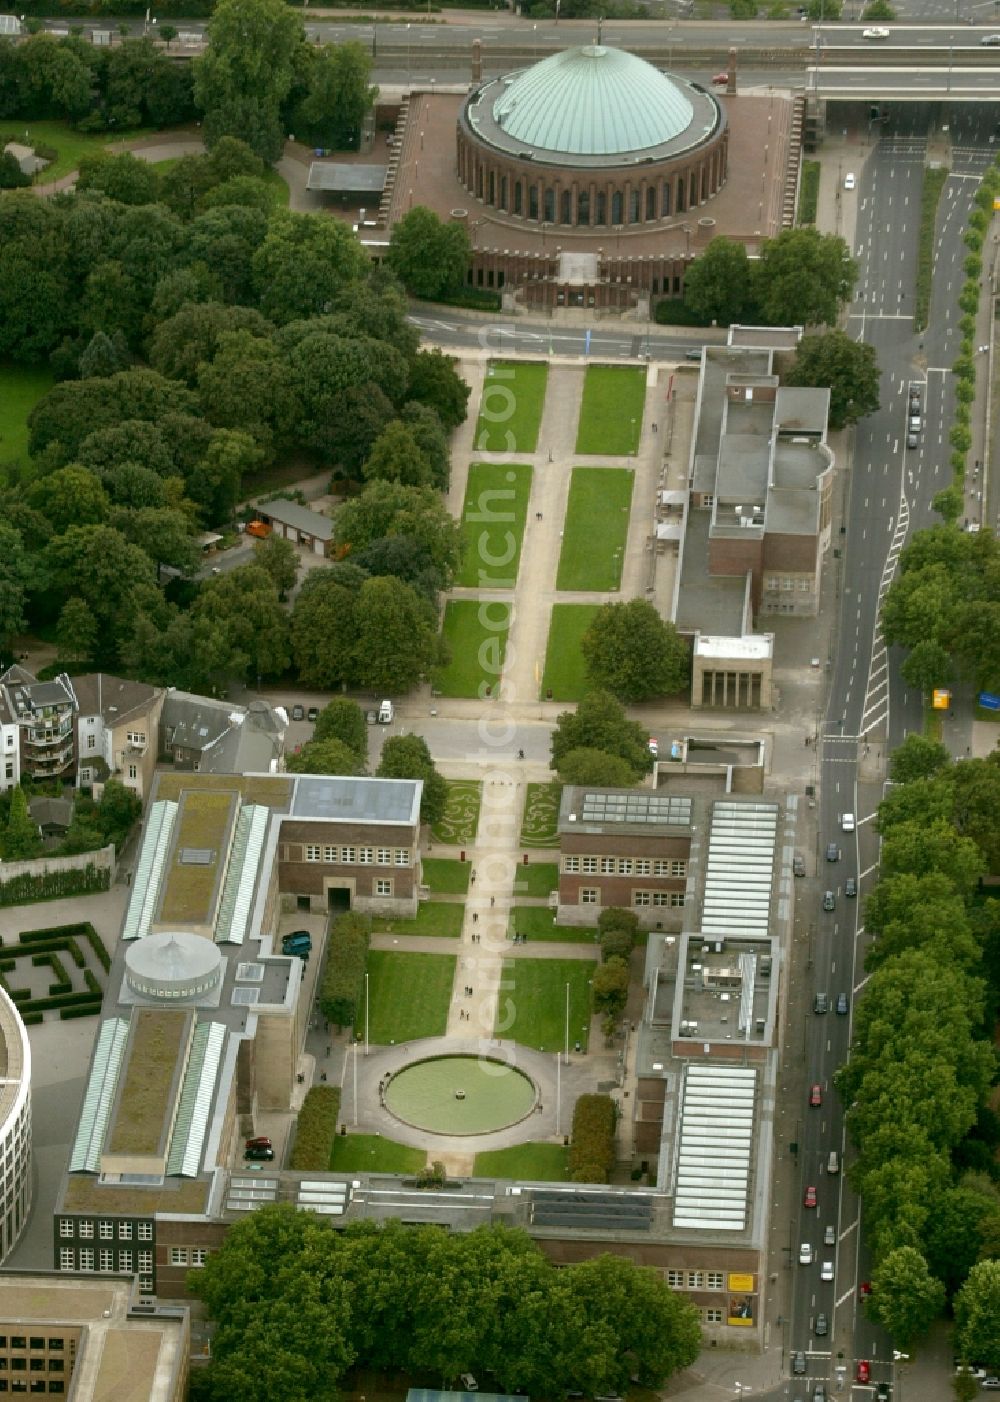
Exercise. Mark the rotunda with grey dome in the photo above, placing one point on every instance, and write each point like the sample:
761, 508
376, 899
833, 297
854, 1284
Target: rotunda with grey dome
591, 137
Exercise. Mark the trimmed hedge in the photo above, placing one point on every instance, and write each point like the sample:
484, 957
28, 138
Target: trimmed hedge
57, 989
592, 1148
54, 885
316, 1130
68, 1000
65, 1014
344, 975
51, 957
808, 193
91, 981
934, 179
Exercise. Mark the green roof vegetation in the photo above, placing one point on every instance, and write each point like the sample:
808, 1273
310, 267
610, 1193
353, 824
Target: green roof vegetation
204, 822
157, 1039
180, 1195
273, 791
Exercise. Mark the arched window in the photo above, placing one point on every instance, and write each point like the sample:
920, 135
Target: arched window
583, 207
601, 213
518, 197
550, 206
651, 202
665, 200
492, 197
503, 192
566, 208
532, 201
617, 207
681, 202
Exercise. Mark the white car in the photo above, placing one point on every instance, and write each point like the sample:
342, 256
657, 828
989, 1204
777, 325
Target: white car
849, 181
805, 1254
847, 822
990, 41
826, 1271
875, 33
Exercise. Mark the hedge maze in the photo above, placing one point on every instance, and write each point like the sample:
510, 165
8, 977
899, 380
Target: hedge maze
51, 948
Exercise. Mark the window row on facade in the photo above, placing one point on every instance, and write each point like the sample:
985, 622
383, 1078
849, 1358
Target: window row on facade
625, 866
695, 1280
105, 1229
107, 1260
590, 895
360, 856
34, 1342
49, 1385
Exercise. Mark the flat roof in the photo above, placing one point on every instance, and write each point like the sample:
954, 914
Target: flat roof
752, 647
627, 810
335, 177
349, 800
124, 1357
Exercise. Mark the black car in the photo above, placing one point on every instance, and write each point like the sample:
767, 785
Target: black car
298, 712
258, 1154
832, 852
798, 865
821, 1003
312, 713
850, 888
798, 1363
822, 1326
829, 900
842, 1004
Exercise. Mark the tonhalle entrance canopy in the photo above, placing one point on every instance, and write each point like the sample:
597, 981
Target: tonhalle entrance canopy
335, 178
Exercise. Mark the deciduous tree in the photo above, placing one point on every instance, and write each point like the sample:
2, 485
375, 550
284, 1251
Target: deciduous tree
803, 277
635, 654
717, 284
428, 256
407, 757
849, 368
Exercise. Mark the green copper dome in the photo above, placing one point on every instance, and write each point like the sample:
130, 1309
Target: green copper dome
592, 101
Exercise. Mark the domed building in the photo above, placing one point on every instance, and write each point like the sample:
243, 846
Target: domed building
591, 138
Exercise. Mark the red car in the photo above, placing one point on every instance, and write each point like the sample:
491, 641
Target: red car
720, 79
810, 1197
865, 1288
864, 1371
260, 1142
816, 1095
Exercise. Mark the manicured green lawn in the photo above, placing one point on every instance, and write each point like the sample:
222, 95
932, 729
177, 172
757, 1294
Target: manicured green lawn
440, 918
496, 504
565, 675
71, 145
409, 995
611, 412
536, 879
446, 877
510, 411
539, 1163
541, 815
537, 922
535, 991
476, 632
457, 826
370, 1153
596, 528
21, 387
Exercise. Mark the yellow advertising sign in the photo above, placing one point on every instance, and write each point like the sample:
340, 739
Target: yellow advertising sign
941, 700
996, 202
741, 1282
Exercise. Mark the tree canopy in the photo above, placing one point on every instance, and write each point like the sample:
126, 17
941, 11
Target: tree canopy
599, 724
635, 654
428, 256
285, 1289
849, 368
803, 277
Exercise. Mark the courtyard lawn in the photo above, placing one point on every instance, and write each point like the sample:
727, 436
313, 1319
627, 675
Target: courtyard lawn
409, 995
496, 504
565, 675
21, 387
611, 412
536, 879
510, 412
440, 918
596, 528
458, 824
537, 922
541, 815
370, 1153
476, 633
532, 1163
534, 991
446, 877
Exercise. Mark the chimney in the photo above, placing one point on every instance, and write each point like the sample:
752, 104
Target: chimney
477, 60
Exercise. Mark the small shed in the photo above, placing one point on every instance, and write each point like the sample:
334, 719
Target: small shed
298, 524
348, 183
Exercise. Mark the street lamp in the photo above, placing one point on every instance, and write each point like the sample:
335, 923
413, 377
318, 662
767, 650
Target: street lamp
366, 1014
567, 1023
